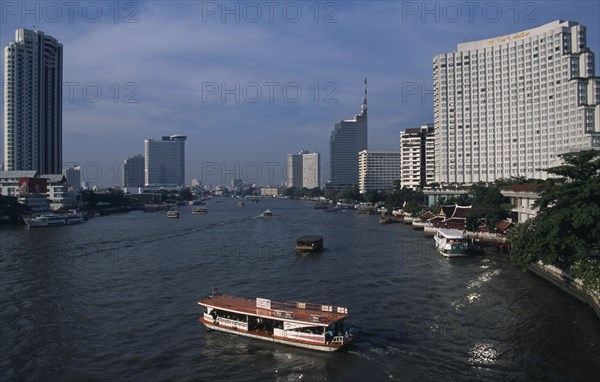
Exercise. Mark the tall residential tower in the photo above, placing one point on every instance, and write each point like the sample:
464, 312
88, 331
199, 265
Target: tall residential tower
33, 69
509, 106
348, 138
417, 155
304, 170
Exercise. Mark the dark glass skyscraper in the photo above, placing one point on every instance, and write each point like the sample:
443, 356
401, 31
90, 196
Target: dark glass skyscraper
348, 138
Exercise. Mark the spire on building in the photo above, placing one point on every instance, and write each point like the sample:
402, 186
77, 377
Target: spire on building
363, 107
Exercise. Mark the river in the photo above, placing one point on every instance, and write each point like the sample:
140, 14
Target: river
115, 299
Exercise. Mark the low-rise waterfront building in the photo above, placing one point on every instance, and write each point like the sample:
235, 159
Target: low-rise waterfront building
522, 198
269, 191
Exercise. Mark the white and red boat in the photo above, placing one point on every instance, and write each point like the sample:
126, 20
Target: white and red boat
301, 324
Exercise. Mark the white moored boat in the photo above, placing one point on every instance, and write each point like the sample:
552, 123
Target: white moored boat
51, 220
451, 243
301, 324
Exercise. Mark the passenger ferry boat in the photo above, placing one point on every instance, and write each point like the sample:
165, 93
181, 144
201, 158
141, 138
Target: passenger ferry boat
199, 211
173, 214
301, 324
50, 220
451, 243
310, 243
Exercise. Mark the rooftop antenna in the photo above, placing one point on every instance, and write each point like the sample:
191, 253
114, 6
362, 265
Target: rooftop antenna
363, 107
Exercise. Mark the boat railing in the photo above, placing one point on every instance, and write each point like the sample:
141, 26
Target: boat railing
309, 306
325, 310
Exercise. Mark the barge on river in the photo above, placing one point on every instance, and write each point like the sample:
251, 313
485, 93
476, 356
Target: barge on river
309, 243
301, 324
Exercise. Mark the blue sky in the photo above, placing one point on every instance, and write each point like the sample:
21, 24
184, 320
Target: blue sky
249, 82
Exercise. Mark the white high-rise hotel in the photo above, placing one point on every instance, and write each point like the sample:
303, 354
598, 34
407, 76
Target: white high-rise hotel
507, 106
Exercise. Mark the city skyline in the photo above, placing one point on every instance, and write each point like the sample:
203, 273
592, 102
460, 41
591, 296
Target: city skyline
157, 77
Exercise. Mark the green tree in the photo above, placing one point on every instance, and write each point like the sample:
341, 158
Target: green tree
350, 193
186, 194
566, 231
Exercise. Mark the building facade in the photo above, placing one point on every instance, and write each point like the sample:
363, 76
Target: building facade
348, 138
133, 172
165, 162
73, 176
33, 70
304, 170
294, 170
378, 170
511, 105
417, 156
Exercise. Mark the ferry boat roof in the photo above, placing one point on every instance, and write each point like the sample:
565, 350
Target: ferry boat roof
451, 233
304, 312
309, 239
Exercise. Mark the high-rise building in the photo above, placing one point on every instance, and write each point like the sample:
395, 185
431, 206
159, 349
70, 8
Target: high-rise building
134, 172
311, 170
348, 138
509, 106
294, 170
73, 177
378, 170
165, 161
417, 156
304, 170
33, 66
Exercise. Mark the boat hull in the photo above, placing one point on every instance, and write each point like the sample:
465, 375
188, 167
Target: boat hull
272, 338
451, 254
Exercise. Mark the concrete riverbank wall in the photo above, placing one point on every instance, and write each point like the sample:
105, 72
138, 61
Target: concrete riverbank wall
565, 282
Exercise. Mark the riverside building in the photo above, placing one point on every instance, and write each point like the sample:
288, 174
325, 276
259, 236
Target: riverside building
348, 138
165, 162
303, 170
33, 69
417, 156
377, 170
134, 172
511, 105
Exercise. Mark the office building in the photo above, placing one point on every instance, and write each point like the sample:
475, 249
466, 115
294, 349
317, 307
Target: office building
165, 162
133, 172
417, 156
73, 177
511, 105
304, 170
33, 82
348, 138
378, 170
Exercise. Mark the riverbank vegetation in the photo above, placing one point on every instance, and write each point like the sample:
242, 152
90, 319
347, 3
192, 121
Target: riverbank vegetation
566, 231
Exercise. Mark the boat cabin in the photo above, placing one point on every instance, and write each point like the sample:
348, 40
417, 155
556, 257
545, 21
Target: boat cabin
312, 243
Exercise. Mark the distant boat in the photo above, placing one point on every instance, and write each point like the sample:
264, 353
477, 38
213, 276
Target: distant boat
196, 202
451, 243
310, 243
173, 214
267, 212
199, 211
240, 204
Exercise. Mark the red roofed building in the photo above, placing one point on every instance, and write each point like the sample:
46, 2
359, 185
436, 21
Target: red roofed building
453, 217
